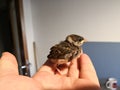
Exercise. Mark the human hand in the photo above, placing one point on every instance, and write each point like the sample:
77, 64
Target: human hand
81, 75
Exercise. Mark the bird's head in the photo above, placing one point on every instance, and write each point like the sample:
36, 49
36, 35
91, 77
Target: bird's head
75, 39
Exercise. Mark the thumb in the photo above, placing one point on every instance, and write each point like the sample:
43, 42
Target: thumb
8, 64
87, 70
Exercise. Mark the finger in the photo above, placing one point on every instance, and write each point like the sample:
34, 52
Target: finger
87, 70
8, 64
44, 69
48, 67
74, 70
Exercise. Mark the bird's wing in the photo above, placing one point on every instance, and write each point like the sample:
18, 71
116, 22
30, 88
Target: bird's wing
60, 51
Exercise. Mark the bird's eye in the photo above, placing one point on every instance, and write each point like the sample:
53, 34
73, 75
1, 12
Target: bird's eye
80, 39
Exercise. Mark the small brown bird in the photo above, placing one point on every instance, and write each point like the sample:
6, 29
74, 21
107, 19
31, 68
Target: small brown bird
66, 50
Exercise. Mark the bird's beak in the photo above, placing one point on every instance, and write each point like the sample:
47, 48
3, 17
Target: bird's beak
85, 40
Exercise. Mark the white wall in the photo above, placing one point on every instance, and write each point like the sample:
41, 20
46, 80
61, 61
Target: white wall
96, 20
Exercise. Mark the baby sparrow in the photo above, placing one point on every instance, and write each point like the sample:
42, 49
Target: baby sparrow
66, 50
